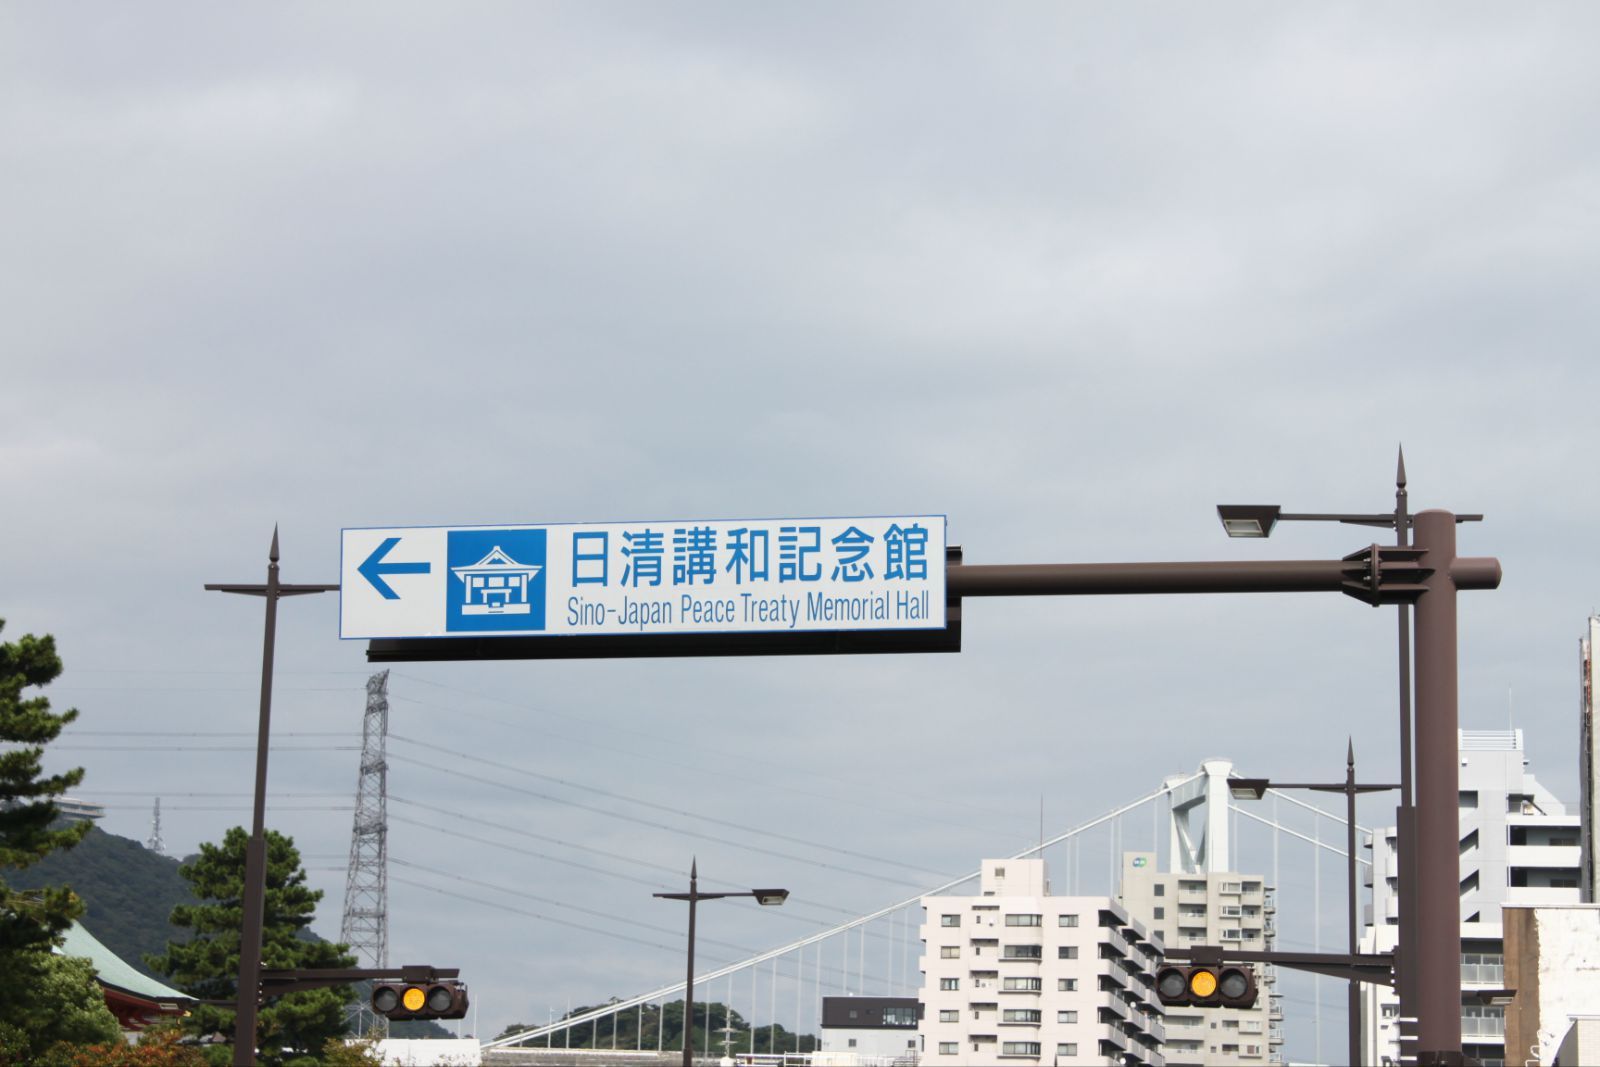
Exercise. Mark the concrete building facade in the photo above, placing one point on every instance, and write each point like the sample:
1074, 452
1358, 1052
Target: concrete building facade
1210, 908
1015, 975
1519, 846
868, 1030
1554, 984
1201, 901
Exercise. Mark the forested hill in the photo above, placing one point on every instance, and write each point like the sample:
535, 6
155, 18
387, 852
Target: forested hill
129, 892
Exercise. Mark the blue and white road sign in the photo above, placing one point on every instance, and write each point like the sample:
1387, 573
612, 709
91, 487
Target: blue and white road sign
715, 576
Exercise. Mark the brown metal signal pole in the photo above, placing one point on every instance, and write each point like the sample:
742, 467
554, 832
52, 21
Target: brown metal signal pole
255, 862
1428, 574
1437, 971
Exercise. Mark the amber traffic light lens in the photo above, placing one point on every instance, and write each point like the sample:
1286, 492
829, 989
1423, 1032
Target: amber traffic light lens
413, 999
1203, 983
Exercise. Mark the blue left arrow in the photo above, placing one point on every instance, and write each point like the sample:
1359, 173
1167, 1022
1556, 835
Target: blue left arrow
375, 568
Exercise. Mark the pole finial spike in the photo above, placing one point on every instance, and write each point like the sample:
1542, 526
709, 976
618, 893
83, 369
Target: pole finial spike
272, 553
694, 865
1350, 752
1400, 469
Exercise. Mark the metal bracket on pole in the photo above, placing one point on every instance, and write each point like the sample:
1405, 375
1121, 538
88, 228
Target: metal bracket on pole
1376, 968
293, 980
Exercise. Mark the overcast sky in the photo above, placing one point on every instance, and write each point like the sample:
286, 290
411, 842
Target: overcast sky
1068, 275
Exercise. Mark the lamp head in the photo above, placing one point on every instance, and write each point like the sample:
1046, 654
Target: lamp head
1248, 788
1248, 520
770, 896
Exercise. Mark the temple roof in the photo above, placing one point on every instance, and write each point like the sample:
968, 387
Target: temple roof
113, 971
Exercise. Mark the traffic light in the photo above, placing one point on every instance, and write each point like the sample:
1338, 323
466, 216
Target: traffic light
420, 1000
1206, 986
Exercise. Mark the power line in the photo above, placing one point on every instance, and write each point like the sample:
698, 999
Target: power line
523, 894
662, 807
678, 830
788, 915
588, 724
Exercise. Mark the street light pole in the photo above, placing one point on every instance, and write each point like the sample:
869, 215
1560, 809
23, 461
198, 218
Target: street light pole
1405, 818
1255, 788
769, 897
248, 999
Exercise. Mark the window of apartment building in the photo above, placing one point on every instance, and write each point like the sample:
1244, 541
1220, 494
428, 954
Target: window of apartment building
1231, 888
1252, 887
946, 1015
1066, 920
1022, 952
1161, 889
1024, 920
1469, 799
1067, 985
1161, 913
1190, 886
949, 983
949, 920
1230, 934
949, 952
1019, 1048
1483, 967
1022, 985
1020, 1015
1066, 1016
1067, 1048
1066, 952
947, 1048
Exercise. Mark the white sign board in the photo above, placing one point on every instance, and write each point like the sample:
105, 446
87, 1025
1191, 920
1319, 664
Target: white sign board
718, 576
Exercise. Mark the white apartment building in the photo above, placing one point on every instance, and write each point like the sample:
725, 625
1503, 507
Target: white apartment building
1202, 902
1518, 846
1017, 976
1210, 908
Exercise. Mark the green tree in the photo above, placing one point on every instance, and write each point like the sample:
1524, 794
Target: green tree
46, 998
33, 920
156, 1048
60, 1002
291, 1028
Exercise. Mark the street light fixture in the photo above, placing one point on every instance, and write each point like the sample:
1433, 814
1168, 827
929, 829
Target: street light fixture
1257, 520
767, 897
1248, 788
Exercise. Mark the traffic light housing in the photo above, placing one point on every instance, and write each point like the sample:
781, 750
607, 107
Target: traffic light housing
420, 1000
1225, 985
